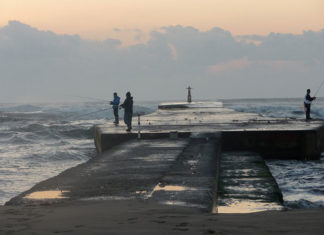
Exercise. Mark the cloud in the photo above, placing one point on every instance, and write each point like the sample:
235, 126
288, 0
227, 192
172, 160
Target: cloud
244, 63
255, 39
36, 63
229, 66
308, 46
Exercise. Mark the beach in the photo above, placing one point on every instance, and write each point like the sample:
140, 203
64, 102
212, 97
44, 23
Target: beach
139, 217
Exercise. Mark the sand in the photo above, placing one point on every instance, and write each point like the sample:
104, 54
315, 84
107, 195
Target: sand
141, 217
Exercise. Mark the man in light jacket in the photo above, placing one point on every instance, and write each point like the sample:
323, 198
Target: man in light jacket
115, 104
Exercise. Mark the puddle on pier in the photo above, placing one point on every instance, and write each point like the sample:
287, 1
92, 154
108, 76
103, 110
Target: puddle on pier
176, 195
50, 194
106, 198
177, 188
247, 206
182, 203
165, 188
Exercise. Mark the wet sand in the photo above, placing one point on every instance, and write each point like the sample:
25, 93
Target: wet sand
139, 217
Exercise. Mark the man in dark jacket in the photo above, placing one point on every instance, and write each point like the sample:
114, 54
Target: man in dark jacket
128, 107
307, 104
115, 105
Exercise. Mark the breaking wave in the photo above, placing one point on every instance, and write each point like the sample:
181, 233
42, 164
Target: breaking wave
40, 141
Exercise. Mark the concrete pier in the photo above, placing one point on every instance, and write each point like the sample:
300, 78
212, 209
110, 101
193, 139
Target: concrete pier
189, 155
181, 172
128, 171
270, 137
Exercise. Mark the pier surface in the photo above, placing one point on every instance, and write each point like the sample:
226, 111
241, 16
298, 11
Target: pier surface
177, 158
270, 137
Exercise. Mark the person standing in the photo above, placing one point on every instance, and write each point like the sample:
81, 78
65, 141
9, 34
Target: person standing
128, 114
115, 105
307, 104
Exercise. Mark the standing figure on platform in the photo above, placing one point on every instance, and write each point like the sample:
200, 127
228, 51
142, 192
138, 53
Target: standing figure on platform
115, 105
189, 94
128, 114
307, 104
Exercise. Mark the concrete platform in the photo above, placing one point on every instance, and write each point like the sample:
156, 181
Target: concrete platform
165, 166
179, 172
270, 137
128, 171
246, 185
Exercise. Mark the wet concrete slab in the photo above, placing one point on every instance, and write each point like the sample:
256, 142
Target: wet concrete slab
192, 180
132, 170
191, 172
246, 185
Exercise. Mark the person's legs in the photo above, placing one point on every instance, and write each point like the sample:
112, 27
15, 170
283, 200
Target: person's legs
308, 112
116, 115
128, 121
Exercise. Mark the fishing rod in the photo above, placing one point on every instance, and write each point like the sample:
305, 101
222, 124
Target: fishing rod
319, 88
92, 98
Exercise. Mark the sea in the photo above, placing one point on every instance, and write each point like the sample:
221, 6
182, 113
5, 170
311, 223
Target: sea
40, 140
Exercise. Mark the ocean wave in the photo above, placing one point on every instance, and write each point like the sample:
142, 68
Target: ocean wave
60, 155
302, 203
78, 133
21, 109
288, 108
301, 183
19, 139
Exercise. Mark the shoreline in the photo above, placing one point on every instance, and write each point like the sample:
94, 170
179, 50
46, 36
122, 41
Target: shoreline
139, 217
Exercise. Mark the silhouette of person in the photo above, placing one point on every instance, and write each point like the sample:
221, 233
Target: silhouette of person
128, 114
307, 104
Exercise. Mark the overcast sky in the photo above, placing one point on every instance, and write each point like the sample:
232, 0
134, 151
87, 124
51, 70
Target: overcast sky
222, 51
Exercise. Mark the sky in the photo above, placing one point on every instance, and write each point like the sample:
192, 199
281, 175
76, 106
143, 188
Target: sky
101, 19
54, 50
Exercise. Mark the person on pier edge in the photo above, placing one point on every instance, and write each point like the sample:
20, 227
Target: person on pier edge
115, 105
128, 114
307, 104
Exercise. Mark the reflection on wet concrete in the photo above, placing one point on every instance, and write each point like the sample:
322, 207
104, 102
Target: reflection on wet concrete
104, 198
190, 181
114, 176
172, 188
50, 194
246, 185
248, 206
182, 203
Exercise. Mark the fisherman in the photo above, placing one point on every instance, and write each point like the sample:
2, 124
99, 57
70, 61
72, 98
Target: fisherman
307, 104
115, 105
128, 114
